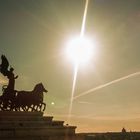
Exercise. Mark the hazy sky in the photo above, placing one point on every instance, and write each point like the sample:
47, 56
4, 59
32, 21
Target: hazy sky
33, 36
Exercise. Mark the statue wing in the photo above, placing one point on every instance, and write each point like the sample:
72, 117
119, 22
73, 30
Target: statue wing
4, 65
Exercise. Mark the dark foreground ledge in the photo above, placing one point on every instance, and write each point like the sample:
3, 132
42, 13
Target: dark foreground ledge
33, 126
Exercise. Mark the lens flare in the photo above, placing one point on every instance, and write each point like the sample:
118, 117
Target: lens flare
79, 50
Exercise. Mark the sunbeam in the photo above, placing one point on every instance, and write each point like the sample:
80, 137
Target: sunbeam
84, 18
73, 89
76, 65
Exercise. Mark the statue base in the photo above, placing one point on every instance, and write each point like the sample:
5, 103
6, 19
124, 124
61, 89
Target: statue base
33, 126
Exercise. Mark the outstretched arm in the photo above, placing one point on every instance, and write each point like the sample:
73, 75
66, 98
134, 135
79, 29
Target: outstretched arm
16, 77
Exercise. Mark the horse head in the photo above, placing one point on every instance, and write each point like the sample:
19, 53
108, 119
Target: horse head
39, 87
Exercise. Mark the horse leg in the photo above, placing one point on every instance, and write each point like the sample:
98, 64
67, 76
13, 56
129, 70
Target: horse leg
19, 108
12, 106
1, 105
44, 106
37, 107
41, 105
27, 108
33, 108
16, 107
23, 108
5, 105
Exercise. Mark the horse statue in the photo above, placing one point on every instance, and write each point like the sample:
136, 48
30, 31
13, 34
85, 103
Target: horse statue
31, 100
14, 100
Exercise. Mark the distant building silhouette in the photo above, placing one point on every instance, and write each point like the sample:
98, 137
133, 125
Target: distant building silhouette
123, 130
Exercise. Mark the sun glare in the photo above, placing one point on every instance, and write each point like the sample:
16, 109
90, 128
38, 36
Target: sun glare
79, 49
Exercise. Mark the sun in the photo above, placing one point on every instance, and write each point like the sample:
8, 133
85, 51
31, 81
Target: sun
79, 49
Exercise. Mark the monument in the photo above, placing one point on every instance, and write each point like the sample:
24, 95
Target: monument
22, 113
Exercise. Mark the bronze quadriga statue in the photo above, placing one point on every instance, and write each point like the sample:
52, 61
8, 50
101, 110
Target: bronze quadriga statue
14, 100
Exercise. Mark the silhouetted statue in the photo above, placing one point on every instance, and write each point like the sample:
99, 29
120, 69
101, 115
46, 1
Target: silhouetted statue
31, 100
11, 77
8, 92
19, 100
9, 73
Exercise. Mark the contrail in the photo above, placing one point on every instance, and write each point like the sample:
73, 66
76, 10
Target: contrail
77, 65
107, 84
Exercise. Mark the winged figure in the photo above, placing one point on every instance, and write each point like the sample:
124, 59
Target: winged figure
4, 66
